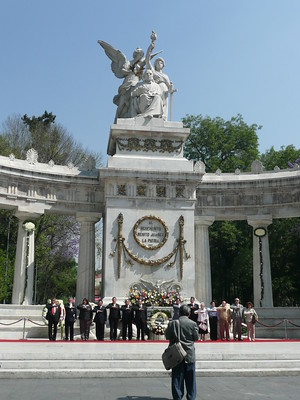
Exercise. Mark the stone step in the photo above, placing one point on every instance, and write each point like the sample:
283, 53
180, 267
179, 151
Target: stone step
131, 373
77, 356
142, 364
133, 357
29, 359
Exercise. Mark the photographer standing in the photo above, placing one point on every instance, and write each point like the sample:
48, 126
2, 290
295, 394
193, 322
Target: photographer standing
185, 371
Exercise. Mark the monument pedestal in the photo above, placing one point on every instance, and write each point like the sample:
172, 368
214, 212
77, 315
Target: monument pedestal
150, 194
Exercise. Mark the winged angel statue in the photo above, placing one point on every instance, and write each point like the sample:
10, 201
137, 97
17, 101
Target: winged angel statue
141, 93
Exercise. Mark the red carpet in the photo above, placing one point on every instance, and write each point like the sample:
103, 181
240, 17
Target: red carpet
146, 341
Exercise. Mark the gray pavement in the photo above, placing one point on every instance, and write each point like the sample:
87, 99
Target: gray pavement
214, 388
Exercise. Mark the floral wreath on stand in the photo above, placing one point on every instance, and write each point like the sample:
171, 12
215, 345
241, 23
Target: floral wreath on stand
158, 323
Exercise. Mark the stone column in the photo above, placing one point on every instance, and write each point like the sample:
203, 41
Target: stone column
86, 259
24, 262
203, 290
262, 280
30, 268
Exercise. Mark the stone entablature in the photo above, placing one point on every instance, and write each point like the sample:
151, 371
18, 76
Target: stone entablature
39, 187
234, 197
149, 184
46, 188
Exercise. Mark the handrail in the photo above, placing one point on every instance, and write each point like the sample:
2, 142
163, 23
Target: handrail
285, 321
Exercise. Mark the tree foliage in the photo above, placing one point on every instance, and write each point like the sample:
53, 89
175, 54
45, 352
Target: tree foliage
284, 239
280, 158
231, 260
8, 238
50, 139
226, 145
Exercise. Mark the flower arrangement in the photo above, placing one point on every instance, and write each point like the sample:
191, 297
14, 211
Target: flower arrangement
158, 330
158, 323
154, 297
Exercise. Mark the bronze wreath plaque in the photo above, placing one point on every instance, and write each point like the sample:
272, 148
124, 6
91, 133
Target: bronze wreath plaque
150, 232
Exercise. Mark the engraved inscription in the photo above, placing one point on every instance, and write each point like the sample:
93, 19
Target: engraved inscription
150, 232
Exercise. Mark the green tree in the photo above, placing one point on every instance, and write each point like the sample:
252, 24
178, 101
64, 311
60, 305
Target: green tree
272, 158
284, 239
8, 230
56, 246
231, 260
226, 145
4, 147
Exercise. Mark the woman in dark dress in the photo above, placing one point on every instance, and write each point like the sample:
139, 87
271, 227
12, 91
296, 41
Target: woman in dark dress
85, 318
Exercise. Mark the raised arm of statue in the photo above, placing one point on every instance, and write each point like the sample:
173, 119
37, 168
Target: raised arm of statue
148, 57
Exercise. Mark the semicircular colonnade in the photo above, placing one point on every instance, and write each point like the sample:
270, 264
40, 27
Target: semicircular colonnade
31, 189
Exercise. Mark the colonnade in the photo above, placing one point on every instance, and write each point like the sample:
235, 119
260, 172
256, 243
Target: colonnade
24, 262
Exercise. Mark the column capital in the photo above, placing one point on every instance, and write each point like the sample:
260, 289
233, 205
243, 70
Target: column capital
204, 220
88, 217
260, 220
23, 215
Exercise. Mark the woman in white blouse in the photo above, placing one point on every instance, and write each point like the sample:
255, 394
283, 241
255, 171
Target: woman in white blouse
202, 321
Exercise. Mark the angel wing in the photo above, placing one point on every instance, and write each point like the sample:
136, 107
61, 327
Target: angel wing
118, 59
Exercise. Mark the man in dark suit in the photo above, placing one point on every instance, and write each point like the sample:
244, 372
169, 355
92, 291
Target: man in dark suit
193, 307
53, 316
185, 371
114, 318
70, 318
127, 318
100, 319
140, 319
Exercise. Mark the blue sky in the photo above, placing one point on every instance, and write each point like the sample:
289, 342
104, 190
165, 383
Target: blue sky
225, 57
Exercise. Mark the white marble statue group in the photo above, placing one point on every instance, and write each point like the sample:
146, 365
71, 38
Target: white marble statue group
145, 89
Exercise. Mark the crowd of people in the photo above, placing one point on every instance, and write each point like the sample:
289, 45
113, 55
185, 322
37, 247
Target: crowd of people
216, 320
113, 313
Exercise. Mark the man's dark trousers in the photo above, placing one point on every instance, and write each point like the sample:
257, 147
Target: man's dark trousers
184, 372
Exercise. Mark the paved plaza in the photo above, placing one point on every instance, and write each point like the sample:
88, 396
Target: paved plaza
214, 388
